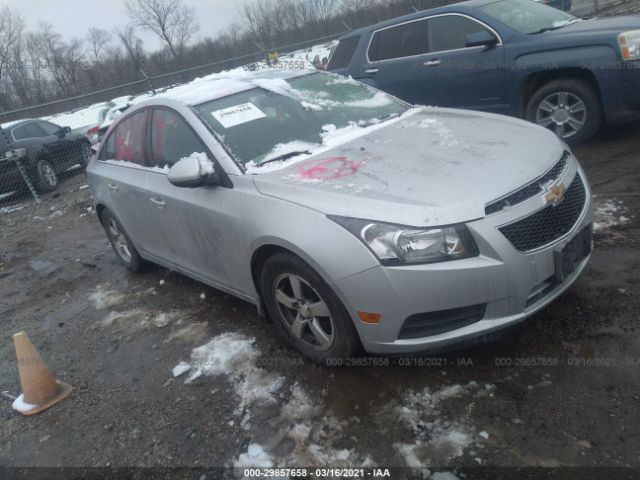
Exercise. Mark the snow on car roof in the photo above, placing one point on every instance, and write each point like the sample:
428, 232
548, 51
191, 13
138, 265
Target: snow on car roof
227, 83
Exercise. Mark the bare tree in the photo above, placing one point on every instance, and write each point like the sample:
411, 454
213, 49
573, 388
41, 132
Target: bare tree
171, 20
133, 46
98, 39
11, 26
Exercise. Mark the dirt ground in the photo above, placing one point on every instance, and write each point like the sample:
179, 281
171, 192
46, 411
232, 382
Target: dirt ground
563, 389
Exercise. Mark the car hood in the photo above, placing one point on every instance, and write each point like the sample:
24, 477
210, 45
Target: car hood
435, 167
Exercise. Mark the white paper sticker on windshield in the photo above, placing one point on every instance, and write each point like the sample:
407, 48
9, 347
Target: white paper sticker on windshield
230, 117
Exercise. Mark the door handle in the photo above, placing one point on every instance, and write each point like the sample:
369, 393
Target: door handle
113, 187
372, 70
432, 63
158, 202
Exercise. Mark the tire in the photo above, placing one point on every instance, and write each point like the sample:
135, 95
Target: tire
121, 243
576, 124
85, 154
45, 177
339, 337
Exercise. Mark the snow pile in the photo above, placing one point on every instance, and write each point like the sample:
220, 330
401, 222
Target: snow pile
312, 429
235, 356
206, 165
104, 298
446, 137
609, 213
437, 438
15, 208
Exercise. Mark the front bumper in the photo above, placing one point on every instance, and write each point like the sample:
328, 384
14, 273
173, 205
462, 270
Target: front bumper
512, 285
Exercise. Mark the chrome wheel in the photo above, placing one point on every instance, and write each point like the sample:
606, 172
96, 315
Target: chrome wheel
562, 112
49, 174
119, 241
303, 311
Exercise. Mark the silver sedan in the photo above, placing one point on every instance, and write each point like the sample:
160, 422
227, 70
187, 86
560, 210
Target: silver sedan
348, 217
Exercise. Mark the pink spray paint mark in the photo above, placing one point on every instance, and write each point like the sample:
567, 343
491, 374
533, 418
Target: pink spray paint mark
329, 168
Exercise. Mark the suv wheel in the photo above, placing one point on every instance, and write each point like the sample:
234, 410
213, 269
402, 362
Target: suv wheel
46, 178
306, 311
570, 108
125, 251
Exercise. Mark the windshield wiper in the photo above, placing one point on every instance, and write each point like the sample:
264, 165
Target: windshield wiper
556, 27
285, 156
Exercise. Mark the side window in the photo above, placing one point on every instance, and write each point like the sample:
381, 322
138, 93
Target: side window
126, 142
450, 32
401, 41
49, 128
343, 53
172, 139
30, 130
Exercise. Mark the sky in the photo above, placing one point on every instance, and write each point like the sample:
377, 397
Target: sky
72, 18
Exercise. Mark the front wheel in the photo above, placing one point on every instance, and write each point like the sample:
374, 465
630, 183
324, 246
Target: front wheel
85, 154
306, 311
570, 108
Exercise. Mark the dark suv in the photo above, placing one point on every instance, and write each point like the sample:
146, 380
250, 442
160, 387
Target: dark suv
45, 149
514, 57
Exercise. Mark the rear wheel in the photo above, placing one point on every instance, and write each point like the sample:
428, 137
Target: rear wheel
568, 107
122, 246
46, 178
306, 311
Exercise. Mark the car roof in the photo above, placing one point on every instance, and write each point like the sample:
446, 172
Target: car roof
219, 85
455, 7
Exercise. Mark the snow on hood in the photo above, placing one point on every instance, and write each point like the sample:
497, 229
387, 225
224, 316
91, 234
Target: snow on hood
428, 167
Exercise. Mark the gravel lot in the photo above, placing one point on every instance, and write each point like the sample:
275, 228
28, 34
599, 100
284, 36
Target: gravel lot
561, 390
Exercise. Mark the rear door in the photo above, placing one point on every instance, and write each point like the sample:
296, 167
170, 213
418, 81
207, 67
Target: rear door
122, 169
461, 76
395, 62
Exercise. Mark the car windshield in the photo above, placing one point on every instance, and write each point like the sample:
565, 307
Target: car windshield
527, 16
283, 118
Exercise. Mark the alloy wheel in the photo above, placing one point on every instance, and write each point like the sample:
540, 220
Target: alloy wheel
120, 243
303, 311
562, 112
49, 174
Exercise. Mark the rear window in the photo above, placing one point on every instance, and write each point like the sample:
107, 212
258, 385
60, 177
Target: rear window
343, 53
402, 41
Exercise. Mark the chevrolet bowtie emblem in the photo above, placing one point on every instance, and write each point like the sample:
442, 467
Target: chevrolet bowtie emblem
555, 194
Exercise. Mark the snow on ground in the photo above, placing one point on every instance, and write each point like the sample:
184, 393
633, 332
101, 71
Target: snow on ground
104, 298
609, 213
235, 356
12, 209
438, 439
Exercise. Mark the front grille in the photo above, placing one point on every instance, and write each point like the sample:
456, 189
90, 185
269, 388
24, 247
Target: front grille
550, 223
434, 323
531, 189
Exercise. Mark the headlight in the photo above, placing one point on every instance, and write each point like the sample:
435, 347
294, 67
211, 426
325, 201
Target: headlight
398, 245
630, 45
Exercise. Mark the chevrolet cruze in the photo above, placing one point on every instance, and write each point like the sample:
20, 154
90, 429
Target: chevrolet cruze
347, 216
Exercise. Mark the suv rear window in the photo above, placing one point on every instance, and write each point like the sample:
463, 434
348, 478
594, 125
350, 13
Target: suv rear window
402, 41
343, 53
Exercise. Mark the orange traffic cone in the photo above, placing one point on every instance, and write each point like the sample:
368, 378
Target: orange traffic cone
39, 389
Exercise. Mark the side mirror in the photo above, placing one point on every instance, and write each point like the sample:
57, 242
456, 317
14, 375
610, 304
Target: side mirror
64, 131
481, 39
193, 171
